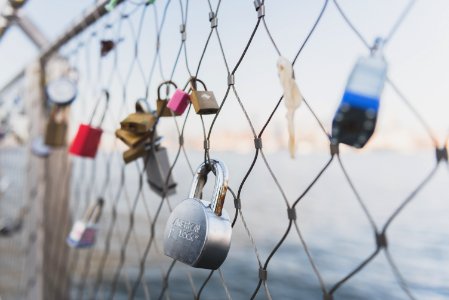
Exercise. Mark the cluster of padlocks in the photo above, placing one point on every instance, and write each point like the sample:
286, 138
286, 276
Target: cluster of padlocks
198, 232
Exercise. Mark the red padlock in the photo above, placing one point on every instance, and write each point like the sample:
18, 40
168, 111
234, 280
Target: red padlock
88, 137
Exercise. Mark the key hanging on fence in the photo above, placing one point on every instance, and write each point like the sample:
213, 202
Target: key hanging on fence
162, 104
88, 138
204, 102
84, 232
198, 232
136, 131
56, 130
179, 102
292, 99
355, 119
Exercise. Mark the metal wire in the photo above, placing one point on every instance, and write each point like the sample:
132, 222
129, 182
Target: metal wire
125, 259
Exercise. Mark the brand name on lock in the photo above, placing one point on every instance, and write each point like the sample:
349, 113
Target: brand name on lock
185, 230
198, 232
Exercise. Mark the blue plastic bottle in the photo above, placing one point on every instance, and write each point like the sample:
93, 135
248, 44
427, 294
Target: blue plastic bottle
355, 120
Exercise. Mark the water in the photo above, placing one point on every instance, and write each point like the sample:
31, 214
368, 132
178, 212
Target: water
332, 222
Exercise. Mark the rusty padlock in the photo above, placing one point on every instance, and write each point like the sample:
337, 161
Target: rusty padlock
198, 232
158, 168
56, 130
204, 102
88, 137
161, 104
83, 233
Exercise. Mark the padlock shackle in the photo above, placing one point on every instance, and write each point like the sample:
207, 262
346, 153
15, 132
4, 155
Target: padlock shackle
142, 106
104, 93
168, 82
193, 81
93, 214
220, 187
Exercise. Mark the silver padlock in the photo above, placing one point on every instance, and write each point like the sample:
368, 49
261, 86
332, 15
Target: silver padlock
198, 232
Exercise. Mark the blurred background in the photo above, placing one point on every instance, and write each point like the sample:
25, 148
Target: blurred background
341, 201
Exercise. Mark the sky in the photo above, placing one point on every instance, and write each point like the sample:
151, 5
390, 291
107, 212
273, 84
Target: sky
417, 57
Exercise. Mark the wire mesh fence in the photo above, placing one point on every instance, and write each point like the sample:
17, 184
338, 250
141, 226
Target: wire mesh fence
288, 238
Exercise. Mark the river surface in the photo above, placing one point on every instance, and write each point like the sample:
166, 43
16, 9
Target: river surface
332, 222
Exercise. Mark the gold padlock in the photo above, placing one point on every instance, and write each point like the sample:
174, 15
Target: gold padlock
134, 153
141, 150
132, 139
204, 102
56, 130
161, 104
138, 122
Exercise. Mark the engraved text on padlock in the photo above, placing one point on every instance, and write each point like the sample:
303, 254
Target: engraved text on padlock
198, 232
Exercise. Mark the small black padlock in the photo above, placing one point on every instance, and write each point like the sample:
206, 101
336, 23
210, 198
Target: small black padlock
198, 232
204, 102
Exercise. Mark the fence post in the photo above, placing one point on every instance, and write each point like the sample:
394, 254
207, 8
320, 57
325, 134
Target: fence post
48, 183
36, 184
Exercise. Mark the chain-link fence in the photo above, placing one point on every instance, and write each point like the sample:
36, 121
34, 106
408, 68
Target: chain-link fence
312, 228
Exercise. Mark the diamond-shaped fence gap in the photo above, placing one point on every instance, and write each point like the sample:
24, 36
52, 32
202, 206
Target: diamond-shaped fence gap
198, 30
338, 219
422, 206
265, 199
290, 273
374, 278
258, 111
364, 21
382, 198
278, 18
169, 49
216, 287
132, 29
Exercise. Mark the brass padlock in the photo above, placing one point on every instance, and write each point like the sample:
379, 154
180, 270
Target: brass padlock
132, 139
139, 122
204, 102
158, 172
161, 104
136, 152
56, 131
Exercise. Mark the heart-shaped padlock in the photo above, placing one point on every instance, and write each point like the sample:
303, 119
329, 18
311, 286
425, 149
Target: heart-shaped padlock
198, 232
